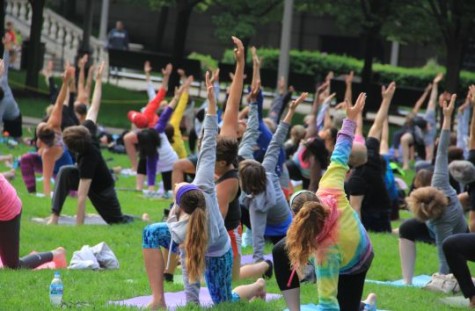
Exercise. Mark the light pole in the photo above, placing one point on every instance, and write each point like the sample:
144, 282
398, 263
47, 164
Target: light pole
285, 41
104, 19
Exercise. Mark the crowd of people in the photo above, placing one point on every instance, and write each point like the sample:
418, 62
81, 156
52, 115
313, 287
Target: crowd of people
313, 190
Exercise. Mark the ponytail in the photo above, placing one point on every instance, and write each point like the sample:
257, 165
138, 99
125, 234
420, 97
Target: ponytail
306, 226
196, 243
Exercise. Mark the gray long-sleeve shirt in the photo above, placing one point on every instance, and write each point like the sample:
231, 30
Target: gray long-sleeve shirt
452, 220
218, 238
8, 106
269, 207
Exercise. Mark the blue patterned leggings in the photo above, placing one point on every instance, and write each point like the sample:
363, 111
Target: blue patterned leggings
218, 272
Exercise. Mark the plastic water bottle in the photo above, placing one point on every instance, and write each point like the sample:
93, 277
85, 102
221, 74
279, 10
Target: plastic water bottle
56, 290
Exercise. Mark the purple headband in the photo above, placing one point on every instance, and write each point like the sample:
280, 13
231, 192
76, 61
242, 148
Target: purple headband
184, 189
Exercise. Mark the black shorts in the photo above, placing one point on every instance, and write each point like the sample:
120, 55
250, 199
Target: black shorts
14, 127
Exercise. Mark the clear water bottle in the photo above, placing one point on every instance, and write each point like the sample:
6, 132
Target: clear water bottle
56, 290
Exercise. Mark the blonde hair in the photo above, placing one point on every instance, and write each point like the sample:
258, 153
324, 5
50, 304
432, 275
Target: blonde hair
196, 240
427, 203
305, 227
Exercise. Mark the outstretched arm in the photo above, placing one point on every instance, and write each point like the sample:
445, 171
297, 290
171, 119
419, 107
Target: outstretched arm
246, 147
230, 121
387, 94
440, 178
348, 90
423, 98
204, 177
147, 68
96, 97
334, 178
152, 106
56, 115
272, 154
82, 95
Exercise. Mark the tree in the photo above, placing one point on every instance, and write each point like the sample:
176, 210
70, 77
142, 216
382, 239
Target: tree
34, 50
240, 18
447, 24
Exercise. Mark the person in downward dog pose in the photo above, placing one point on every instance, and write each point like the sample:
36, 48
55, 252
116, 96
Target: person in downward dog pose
196, 229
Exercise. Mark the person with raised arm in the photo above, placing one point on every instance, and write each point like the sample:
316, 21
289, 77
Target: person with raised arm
10, 115
281, 99
366, 187
264, 208
146, 119
326, 227
91, 177
52, 153
437, 209
196, 229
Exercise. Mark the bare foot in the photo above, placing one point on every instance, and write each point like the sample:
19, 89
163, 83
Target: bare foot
156, 305
145, 217
59, 257
370, 302
53, 220
471, 302
10, 175
261, 292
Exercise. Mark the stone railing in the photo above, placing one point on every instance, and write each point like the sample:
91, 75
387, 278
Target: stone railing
62, 38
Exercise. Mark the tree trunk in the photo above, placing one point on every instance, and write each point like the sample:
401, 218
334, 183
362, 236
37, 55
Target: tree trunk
179, 40
161, 26
370, 36
34, 51
454, 52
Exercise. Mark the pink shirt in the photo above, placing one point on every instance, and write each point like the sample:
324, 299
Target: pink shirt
10, 204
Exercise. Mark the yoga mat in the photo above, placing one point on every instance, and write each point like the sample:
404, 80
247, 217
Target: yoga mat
456, 301
312, 307
91, 219
417, 281
176, 299
247, 259
48, 265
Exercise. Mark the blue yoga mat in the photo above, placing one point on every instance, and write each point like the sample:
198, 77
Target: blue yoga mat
417, 281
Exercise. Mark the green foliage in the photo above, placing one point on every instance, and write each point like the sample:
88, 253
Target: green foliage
240, 18
207, 61
316, 63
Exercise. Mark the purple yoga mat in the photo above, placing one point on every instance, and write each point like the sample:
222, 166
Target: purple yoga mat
176, 299
247, 259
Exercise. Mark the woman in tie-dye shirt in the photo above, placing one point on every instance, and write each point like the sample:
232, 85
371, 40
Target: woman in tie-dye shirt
330, 230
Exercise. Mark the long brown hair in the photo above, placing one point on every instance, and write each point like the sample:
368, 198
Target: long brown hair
196, 240
307, 224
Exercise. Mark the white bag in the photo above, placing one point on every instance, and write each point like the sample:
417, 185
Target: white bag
99, 256
84, 259
443, 283
105, 256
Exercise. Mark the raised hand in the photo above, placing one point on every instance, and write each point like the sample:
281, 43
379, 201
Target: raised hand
323, 87
388, 93
253, 95
238, 50
209, 89
100, 70
349, 77
294, 104
215, 76
438, 78
330, 75
352, 112
449, 109
471, 94
83, 61
167, 70
147, 68
329, 97
68, 74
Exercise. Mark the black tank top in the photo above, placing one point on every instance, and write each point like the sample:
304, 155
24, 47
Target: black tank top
233, 217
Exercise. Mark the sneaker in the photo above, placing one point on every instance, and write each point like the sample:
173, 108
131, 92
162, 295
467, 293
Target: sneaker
268, 274
247, 238
167, 195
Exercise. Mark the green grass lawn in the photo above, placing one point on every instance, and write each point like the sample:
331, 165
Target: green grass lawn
91, 290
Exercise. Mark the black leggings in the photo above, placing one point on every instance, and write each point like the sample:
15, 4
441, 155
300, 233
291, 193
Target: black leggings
10, 247
167, 180
459, 248
414, 230
350, 287
295, 174
105, 201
